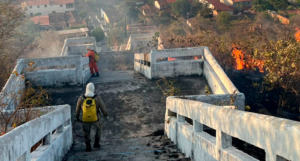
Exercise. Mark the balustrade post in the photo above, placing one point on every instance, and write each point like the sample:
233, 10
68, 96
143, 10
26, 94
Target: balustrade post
60, 129
180, 118
223, 140
47, 140
197, 126
79, 69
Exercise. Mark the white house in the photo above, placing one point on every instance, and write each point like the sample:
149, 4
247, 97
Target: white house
45, 7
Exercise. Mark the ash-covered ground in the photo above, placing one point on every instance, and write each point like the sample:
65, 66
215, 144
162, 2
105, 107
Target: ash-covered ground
136, 108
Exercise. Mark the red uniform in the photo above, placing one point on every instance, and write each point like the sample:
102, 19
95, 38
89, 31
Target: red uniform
93, 63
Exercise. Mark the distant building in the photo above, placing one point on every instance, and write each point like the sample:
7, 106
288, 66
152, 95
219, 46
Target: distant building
42, 21
138, 40
45, 7
140, 28
217, 6
82, 32
276, 16
140, 2
242, 4
110, 15
73, 19
161, 4
148, 10
238, 3
293, 11
58, 21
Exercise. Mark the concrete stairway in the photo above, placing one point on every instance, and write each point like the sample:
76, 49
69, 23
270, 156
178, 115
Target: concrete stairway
113, 76
131, 149
136, 109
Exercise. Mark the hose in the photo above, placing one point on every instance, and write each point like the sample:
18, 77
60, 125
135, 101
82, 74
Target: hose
73, 128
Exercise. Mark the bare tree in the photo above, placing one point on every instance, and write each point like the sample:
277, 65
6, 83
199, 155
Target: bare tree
11, 16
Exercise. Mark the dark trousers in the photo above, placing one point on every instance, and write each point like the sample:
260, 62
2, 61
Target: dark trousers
87, 130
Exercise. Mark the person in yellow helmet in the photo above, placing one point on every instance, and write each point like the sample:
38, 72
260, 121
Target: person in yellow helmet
89, 106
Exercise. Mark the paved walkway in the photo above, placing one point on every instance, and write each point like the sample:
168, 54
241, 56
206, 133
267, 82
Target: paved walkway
134, 130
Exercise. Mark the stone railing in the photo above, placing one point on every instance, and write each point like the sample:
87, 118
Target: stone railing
56, 71
10, 93
59, 71
170, 63
77, 46
185, 61
53, 128
276, 136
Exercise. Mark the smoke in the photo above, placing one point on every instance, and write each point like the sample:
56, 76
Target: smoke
47, 45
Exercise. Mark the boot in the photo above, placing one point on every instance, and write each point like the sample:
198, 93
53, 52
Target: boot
96, 143
93, 75
88, 146
97, 74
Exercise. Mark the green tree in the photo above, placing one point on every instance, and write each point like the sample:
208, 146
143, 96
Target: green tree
282, 63
98, 34
223, 18
164, 17
150, 1
261, 5
181, 7
115, 37
196, 8
91, 3
83, 14
279, 4
205, 11
129, 9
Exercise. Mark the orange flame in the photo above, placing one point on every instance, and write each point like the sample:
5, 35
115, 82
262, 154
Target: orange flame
196, 58
171, 59
297, 34
239, 58
240, 63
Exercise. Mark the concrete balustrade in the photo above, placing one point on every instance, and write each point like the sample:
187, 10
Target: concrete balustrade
10, 94
59, 71
54, 128
276, 136
185, 64
56, 71
186, 115
77, 46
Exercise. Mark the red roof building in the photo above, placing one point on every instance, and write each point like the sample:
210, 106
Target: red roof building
47, 2
217, 5
58, 20
46, 7
40, 20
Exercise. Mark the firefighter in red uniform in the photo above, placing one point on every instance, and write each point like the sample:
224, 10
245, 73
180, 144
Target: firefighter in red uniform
93, 63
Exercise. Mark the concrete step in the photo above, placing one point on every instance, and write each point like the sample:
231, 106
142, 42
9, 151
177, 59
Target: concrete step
131, 149
112, 76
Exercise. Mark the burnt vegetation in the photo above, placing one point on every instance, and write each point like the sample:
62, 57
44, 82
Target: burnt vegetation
258, 52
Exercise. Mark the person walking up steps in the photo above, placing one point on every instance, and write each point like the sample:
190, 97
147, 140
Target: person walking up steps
90, 105
93, 62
